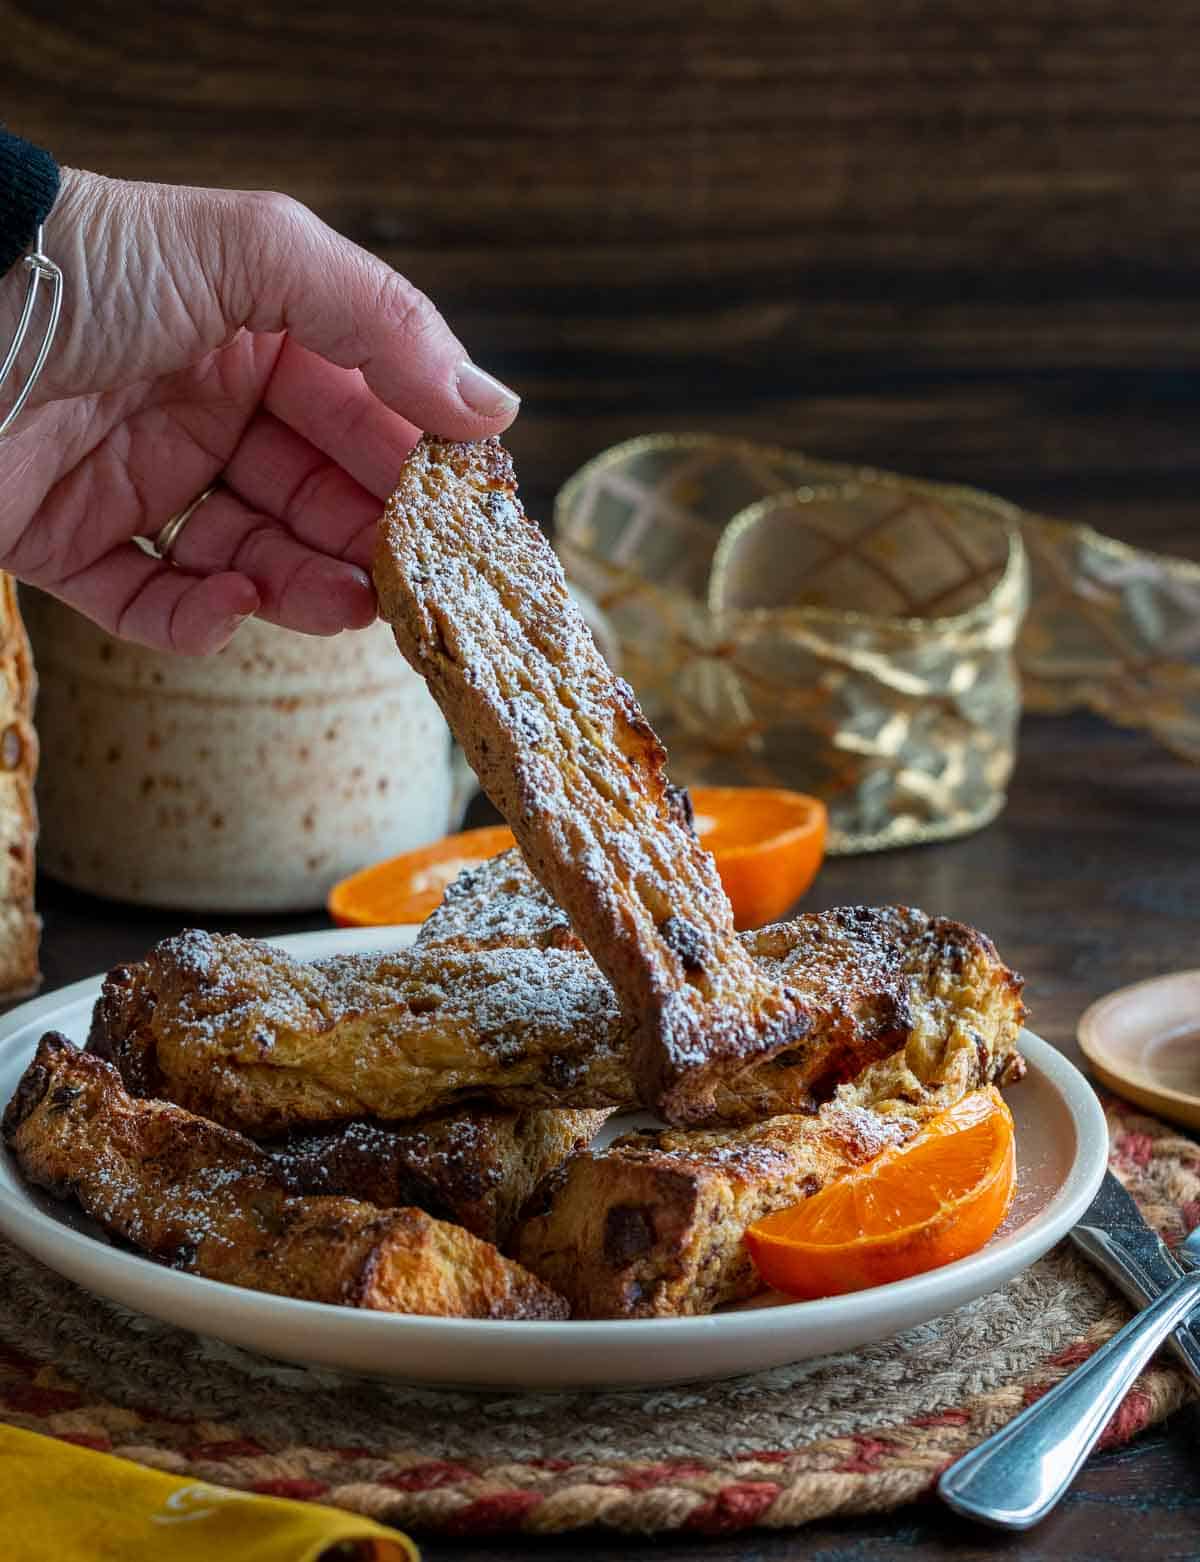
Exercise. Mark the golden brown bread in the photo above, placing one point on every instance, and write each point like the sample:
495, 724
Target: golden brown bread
204, 1199
240, 1032
20, 928
652, 1226
255, 1039
878, 981
479, 606
898, 1002
476, 1168
498, 904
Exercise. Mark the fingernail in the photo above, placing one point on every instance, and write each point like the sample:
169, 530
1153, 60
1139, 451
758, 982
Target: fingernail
483, 393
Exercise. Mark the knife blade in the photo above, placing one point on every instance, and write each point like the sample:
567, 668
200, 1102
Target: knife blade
1114, 1235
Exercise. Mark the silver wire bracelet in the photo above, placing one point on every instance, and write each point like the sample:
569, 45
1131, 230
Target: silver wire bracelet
41, 269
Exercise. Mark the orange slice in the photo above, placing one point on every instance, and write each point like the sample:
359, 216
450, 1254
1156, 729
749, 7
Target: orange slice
935, 1199
407, 888
768, 844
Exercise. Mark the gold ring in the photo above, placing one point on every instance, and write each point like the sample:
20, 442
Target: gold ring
169, 535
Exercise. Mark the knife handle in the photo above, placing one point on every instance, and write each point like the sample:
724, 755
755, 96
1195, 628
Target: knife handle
1140, 1286
1014, 1478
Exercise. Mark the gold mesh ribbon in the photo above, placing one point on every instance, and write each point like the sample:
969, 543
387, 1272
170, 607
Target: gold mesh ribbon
856, 634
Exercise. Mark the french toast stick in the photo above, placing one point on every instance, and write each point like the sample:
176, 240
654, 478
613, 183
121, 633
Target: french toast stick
475, 1168
479, 606
206, 1200
244, 1034
652, 1226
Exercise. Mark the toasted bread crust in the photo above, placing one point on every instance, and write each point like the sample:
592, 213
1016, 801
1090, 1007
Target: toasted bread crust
240, 1032
476, 1169
498, 904
479, 606
246, 1035
652, 1226
206, 1200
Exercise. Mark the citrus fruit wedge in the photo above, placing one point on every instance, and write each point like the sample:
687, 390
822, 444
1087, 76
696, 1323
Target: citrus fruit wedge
407, 888
913, 1208
768, 844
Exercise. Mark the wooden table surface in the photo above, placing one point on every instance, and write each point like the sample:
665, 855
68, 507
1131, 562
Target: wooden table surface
960, 240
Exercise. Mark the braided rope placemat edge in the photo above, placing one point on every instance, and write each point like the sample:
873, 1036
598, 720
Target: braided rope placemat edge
829, 1476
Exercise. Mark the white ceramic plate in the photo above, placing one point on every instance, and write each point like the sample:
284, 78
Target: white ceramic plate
1061, 1156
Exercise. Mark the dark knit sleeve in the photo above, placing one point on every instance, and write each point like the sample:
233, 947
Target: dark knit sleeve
28, 189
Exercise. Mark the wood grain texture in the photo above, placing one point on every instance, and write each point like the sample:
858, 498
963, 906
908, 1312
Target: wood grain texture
959, 240
944, 238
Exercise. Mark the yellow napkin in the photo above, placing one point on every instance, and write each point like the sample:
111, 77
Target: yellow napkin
61, 1503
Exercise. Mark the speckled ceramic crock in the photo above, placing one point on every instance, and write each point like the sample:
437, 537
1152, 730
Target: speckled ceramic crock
247, 781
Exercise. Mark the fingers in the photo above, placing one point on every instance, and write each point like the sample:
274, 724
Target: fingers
145, 600
277, 472
229, 562
296, 586
277, 267
335, 410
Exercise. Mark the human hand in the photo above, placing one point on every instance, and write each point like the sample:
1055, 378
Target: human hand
216, 333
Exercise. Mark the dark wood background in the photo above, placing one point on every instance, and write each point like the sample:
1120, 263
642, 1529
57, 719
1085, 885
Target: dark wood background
959, 240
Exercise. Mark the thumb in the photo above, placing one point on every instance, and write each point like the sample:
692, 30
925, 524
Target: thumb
280, 268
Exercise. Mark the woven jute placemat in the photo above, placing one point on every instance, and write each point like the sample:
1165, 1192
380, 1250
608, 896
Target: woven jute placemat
857, 1433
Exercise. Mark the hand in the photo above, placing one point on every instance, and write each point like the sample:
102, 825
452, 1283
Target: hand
215, 333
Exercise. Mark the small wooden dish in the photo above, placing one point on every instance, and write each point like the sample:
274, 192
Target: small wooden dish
1144, 1042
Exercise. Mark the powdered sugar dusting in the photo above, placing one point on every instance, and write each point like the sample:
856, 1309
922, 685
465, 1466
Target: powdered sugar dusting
498, 904
476, 1169
247, 1034
204, 1199
479, 605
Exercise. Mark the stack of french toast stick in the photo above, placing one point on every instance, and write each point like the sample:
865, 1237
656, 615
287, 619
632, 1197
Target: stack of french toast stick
411, 1131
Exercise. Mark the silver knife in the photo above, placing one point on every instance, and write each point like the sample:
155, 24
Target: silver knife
1114, 1235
